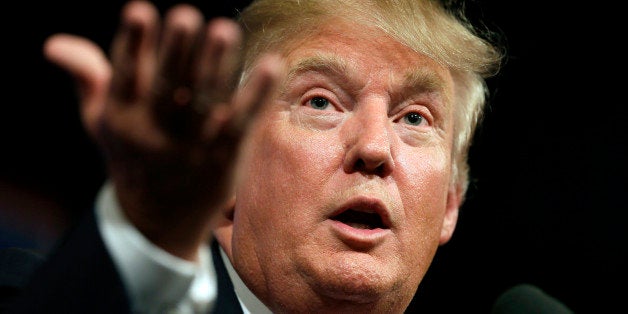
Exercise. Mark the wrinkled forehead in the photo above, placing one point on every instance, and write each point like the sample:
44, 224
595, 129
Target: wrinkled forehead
348, 49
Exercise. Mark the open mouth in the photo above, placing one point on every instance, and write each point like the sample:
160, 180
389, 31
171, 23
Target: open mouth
360, 219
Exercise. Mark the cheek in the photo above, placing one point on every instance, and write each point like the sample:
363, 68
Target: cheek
280, 187
424, 183
285, 170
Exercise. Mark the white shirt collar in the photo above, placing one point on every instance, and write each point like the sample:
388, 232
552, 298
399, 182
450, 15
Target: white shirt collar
249, 302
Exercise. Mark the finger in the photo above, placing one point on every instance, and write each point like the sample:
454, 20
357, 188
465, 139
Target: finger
133, 51
87, 63
181, 32
259, 89
219, 58
173, 89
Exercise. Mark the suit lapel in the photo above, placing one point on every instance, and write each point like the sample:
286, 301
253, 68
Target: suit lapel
227, 301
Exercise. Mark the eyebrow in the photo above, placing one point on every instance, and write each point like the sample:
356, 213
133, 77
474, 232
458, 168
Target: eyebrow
422, 80
419, 79
329, 65
319, 63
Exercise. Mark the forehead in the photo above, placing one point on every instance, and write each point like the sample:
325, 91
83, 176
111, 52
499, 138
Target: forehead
341, 47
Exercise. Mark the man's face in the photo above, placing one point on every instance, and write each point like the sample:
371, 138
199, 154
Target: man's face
346, 192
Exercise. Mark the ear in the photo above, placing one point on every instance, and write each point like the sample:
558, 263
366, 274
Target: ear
223, 232
454, 200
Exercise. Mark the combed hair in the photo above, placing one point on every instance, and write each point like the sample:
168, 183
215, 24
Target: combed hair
425, 26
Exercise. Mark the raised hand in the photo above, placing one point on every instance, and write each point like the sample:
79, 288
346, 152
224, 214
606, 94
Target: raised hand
169, 114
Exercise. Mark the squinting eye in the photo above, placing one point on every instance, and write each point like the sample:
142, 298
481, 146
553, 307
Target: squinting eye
319, 103
413, 118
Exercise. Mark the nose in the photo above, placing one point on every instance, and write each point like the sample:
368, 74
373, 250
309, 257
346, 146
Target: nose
368, 142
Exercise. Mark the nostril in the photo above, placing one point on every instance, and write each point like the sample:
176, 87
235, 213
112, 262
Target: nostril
360, 165
368, 158
376, 168
380, 170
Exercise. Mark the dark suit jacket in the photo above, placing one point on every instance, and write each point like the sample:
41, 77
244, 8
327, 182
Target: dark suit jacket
79, 276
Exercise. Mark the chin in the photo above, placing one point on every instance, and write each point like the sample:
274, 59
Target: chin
352, 285
361, 301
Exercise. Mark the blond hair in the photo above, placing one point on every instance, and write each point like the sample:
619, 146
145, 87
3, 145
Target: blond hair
425, 26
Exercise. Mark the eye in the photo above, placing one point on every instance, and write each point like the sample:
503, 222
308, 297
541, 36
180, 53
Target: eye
413, 118
319, 103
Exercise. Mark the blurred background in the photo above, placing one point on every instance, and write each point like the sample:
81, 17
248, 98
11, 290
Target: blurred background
547, 205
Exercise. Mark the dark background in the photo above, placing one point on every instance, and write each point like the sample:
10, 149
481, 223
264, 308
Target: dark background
547, 204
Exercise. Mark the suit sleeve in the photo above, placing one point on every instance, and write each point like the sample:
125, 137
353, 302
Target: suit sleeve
78, 276
104, 265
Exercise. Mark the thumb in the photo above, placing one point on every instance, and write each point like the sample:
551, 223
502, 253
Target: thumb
89, 67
